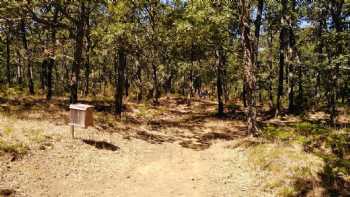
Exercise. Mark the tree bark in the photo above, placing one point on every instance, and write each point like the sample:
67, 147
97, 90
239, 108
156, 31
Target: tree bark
51, 60
50, 65
336, 14
270, 63
8, 57
127, 84
319, 51
256, 48
87, 64
139, 80
219, 80
78, 50
249, 66
29, 58
156, 92
282, 49
43, 74
120, 80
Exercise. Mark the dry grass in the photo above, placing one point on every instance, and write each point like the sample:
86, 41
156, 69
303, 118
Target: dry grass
19, 136
282, 166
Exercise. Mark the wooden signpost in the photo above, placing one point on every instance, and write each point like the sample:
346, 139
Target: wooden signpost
81, 115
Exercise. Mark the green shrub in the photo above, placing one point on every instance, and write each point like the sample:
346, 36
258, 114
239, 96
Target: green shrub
306, 129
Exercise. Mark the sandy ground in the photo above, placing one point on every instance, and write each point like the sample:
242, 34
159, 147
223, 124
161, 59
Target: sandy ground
99, 164
73, 168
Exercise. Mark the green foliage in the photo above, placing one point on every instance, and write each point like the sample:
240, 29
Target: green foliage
285, 134
307, 128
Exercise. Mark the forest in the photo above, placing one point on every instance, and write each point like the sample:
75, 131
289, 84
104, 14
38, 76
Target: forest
257, 90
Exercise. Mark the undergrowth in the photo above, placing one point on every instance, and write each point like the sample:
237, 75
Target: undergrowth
330, 145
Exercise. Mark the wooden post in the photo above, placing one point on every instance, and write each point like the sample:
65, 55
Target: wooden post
72, 130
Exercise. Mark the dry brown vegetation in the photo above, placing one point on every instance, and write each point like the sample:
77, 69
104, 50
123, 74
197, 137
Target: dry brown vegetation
172, 149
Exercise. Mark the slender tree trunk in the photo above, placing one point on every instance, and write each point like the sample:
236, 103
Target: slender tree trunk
319, 51
127, 84
249, 66
139, 79
19, 74
87, 64
43, 74
51, 60
336, 12
270, 63
190, 77
156, 93
291, 93
219, 81
256, 48
190, 85
282, 49
300, 86
50, 65
29, 58
78, 50
244, 94
120, 80
8, 57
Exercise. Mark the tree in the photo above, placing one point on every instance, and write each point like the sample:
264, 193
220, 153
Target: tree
249, 65
283, 45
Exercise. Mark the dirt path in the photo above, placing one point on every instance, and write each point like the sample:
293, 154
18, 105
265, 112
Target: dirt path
115, 165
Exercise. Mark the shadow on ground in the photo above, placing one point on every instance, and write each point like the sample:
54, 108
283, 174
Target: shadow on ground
101, 145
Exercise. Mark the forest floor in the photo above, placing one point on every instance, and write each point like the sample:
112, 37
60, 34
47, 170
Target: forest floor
172, 149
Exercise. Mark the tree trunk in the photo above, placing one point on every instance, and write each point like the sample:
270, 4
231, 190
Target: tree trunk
43, 74
282, 49
29, 58
51, 60
8, 57
120, 80
291, 94
156, 93
249, 66
78, 50
87, 63
219, 81
319, 51
127, 84
256, 48
139, 79
244, 94
50, 65
270, 63
336, 12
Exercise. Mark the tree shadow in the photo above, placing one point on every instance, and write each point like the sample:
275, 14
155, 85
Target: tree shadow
326, 184
102, 145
